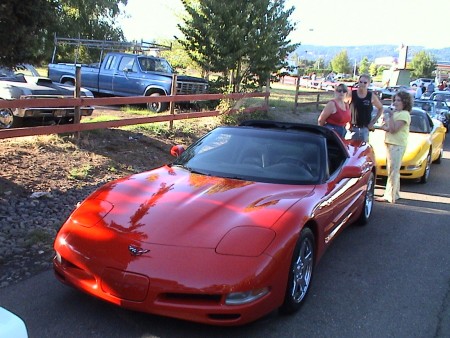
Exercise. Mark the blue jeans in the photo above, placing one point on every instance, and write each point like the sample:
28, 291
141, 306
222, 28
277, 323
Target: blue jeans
340, 130
359, 133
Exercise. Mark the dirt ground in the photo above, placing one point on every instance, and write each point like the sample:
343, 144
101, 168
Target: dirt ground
47, 163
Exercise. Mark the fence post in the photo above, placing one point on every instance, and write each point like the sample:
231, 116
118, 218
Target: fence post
173, 92
297, 85
76, 94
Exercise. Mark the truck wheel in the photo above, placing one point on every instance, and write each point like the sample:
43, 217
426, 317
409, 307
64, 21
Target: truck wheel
157, 107
8, 120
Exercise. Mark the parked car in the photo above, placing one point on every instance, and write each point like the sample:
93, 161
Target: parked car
441, 95
421, 80
438, 110
228, 232
11, 325
387, 93
425, 145
22, 82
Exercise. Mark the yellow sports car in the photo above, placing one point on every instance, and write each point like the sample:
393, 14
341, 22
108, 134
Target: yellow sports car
425, 145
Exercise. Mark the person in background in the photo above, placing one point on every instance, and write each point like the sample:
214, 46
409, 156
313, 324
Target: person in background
361, 103
430, 88
396, 139
336, 113
441, 85
419, 91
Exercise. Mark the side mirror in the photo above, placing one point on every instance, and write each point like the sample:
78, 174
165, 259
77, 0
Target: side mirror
176, 150
350, 171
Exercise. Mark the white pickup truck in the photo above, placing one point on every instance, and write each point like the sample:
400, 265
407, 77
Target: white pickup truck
22, 82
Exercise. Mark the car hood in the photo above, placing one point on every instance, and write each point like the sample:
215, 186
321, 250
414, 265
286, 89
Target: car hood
171, 206
35, 86
418, 143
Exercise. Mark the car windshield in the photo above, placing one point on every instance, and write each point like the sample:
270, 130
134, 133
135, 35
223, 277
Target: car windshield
419, 120
263, 155
432, 107
149, 64
18, 70
445, 97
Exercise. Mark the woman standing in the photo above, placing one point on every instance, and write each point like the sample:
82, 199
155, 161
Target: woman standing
336, 113
396, 139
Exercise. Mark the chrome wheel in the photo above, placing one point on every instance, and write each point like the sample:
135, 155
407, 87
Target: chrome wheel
157, 107
8, 120
368, 200
301, 272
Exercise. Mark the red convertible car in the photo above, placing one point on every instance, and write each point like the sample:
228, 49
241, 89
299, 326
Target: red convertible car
228, 232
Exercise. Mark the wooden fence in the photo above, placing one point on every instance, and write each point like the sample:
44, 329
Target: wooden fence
82, 101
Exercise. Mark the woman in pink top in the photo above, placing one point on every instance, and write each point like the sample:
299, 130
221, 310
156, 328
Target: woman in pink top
336, 113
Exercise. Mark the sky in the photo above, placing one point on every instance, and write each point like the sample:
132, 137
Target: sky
320, 22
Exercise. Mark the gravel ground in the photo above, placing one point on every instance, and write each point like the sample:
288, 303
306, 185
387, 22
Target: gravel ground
43, 178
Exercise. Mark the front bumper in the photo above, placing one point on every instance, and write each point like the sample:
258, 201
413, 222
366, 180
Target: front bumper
184, 283
51, 112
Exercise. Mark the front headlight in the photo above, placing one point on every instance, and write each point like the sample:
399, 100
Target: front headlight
239, 298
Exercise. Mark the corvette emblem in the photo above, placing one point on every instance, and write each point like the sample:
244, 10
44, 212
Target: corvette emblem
135, 251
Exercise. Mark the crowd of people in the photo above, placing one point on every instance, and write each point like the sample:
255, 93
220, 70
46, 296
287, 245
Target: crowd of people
430, 88
349, 114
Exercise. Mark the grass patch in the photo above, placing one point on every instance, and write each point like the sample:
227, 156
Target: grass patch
37, 236
80, 173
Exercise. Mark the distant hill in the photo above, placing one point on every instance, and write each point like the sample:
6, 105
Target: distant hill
310, 52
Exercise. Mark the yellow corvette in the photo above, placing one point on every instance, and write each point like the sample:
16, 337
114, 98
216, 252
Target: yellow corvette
425, 145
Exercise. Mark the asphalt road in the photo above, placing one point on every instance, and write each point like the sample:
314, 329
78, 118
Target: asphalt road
390, 278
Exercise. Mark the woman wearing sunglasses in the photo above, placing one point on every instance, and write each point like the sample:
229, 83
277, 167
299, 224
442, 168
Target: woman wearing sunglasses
336, 113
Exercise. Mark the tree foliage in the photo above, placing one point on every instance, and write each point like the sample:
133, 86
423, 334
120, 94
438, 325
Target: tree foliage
27, 28
24, 26
423, 64
364, 66
340, 63
244, 41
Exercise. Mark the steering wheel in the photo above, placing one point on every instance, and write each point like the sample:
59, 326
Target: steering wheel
297, 162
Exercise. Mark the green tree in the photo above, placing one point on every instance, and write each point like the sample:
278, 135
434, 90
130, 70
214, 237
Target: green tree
373, 69
178, 57
28, 27
364, 66
24, 26
245, 41
340, 63
86, 19
423, 64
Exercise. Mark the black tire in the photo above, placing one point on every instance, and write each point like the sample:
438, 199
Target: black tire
9, 120
426, 174
300, 273
66, 120
157, 107
438, 160
368, 201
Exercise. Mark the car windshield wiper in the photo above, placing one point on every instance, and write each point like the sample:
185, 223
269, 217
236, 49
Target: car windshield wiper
192, 170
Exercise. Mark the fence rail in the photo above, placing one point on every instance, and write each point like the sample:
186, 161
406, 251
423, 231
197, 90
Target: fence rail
79, 102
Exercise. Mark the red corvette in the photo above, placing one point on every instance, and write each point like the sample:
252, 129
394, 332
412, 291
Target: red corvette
228, 232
